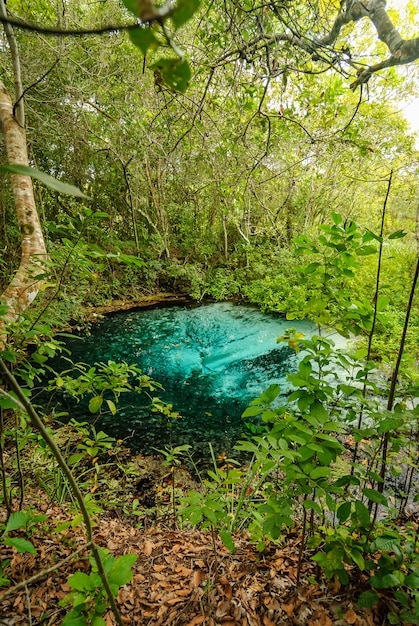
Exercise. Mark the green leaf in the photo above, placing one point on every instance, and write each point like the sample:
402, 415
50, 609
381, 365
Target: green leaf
387, 543
144, 38
398, 234
15, 521
337, 218
382, 302
362, 514
320, 472
72, 619
121, 573
81, 582
375, 496
334, 559
46, 179
318, 410
98, 621
311, 268
412, 581
367, 599
21, 545
344, 511
311, 504
8, 355
369, 235
184, 11
111, 406
358, 559
227, 540
176, 73
390, 424
95, 403
395, 579
132, 5
251, 411
270, 394
366, 250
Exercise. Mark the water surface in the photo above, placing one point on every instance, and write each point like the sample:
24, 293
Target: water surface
212, 361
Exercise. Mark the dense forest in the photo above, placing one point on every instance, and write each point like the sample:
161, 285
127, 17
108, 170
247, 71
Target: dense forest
197, 151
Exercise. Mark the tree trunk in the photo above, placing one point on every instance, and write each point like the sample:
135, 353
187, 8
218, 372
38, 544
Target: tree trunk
28, 278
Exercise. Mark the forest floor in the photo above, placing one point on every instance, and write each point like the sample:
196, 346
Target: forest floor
182, 577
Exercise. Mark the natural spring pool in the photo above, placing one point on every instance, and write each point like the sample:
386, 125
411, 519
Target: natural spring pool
212, 360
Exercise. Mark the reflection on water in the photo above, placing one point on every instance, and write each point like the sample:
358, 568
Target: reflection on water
212, 361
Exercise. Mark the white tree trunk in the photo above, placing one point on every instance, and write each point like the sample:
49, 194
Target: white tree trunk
27, 280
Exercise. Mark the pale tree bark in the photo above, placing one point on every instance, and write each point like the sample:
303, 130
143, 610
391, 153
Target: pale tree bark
402, 51
321, 48
28, 279
14, 52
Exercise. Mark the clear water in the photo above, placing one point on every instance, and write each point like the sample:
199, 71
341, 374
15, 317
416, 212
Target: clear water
212, 361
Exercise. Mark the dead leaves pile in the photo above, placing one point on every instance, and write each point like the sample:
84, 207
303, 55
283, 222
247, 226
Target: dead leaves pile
183, 578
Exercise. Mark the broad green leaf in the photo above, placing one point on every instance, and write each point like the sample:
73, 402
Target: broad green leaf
367, 599
227, 540
318, 410
369, 235
132, 5
366, 250
111, 406
382, 302
362, 514
320, 472
334, 559
344, 511
251, 411
21, 545
375, 496
337, 218
412, 581
7, 402
358, 559
311, 268
15, 521
144, 38
386, 542
398, 234
98, 621
311, 504
95, 403
184, 11
72, 619
176, 73
121, 573
8, 355
81, 582
46, 179
395, 579
270, 394
389, 424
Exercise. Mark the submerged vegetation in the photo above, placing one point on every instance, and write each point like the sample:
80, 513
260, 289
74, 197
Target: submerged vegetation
214, 151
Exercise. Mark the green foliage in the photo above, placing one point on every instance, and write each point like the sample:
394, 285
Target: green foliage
101, 380
24, 521
46, 179
88, 596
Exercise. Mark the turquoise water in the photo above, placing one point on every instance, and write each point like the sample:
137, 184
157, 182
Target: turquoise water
212, 361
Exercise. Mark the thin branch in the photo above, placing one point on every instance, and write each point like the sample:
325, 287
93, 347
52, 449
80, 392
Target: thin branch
49, 440
25, 91
33, 579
